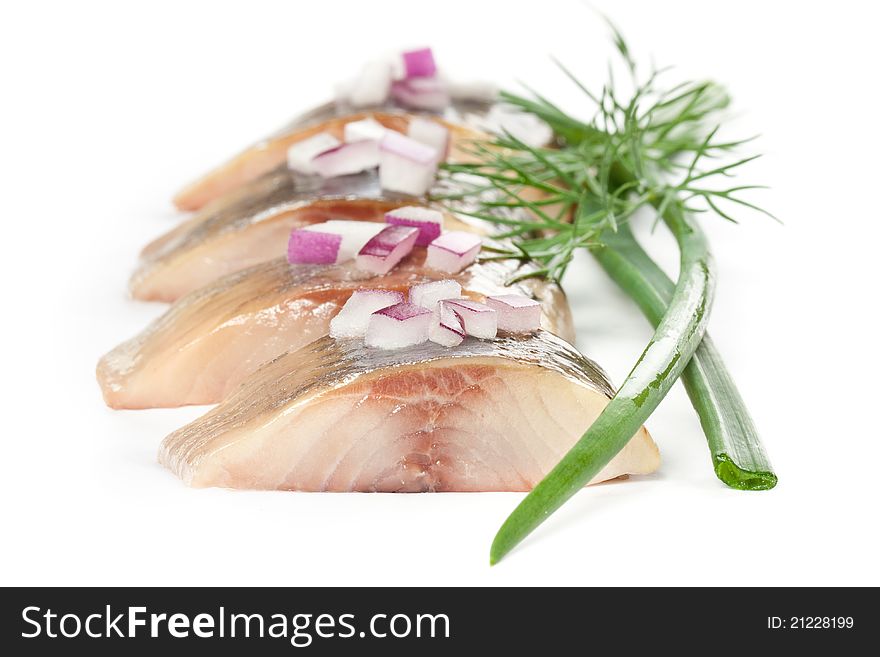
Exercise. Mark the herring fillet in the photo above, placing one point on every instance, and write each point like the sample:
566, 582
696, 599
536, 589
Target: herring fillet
339, 416
269, 153
210, 340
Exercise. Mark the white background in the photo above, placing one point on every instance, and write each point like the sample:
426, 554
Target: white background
108, 108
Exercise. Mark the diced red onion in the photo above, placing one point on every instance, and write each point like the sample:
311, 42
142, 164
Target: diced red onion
301, 154
421, 93
479, 320
516, 313
382, 252
372, 86
429, 222
405, 165
352, 320
446, 327
453, 251
397, 326
430, 133
419, 63
368, 128
428, 295
346, 159
330, 242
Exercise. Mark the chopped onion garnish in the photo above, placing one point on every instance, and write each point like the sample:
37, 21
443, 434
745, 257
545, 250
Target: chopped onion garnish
347, 158
372, 86
453, 251
419, 63
472, 90
516, 313
479, 320
524, 126
421, 93
352, 320
333, 241
405, 165
386, 249
429, 222
301, 154
400, 325
428, 295
430, 133
446, 327
368, 128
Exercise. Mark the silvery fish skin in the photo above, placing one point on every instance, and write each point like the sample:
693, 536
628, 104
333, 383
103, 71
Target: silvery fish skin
210, 340
270, 153
252, 223
338, 416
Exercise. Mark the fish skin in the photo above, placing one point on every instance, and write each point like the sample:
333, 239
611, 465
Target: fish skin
254, 227
270, 153
339, 416
211, 339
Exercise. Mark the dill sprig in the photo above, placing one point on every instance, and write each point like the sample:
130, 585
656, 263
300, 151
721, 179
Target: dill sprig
658, 147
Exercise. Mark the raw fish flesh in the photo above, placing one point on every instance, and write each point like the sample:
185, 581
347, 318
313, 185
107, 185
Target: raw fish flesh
339, 416
271, 153
211, 339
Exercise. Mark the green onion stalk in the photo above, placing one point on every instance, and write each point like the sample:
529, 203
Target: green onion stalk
738, 457
676, 338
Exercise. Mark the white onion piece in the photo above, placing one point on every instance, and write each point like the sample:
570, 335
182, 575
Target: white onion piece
428, 295
368, 128
400, 325
526, 127
479, 320
472, 90
430, 133
301, 154
382, 252
453, 251
330, 242
446, 327
421, 93
419, 63
372, 86
516, 313
429, 222
405, 165
352, 320
347, 158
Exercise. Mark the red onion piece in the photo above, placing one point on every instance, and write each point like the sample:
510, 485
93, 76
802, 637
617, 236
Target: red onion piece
330, 242
419, 63
368, 128
429, 222
453, 251
421, 93
516, 313
446, 327
405, 165
347, 158
479, 320
352, 320
397, 326
430, 133
382, 252
428, 295
301, 154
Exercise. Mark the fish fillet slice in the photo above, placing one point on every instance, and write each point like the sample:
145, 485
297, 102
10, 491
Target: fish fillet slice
337, 416
210, 340
266, 155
